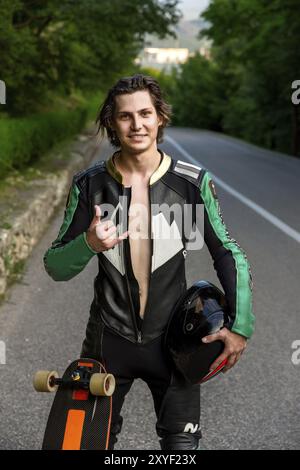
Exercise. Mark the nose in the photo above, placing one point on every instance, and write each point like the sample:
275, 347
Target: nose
135, 123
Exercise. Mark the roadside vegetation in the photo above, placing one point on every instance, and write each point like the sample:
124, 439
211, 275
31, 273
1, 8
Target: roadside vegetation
58, 57
244, 88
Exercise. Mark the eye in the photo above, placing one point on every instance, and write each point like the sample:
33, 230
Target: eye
146, 112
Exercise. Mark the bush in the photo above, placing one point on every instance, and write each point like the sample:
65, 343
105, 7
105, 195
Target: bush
24, 140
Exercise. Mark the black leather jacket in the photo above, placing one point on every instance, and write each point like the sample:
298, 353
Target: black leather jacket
116, 291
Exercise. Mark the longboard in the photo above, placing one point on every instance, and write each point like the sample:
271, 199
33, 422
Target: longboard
80, 416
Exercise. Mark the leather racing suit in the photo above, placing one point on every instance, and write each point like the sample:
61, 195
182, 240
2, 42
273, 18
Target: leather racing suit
116, 302
116, 292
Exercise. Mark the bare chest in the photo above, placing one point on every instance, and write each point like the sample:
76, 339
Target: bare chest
139, 209
140, 238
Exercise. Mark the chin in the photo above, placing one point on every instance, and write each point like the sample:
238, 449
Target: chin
140, 146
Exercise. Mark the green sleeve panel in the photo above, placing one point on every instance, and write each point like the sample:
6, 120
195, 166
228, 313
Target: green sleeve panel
70, 252
241, 284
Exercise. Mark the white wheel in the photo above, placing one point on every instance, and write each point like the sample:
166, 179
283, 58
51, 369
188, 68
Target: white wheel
102, 384
43, 381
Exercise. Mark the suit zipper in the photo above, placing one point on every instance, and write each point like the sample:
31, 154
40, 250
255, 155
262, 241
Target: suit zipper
137, 331
150, 231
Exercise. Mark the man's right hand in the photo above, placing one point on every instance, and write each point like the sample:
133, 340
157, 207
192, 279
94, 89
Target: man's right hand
101, 236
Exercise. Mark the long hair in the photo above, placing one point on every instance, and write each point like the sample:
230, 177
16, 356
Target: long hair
130, 85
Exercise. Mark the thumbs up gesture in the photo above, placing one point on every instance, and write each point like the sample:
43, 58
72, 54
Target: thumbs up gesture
102, 236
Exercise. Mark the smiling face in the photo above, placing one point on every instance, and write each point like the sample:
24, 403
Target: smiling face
136, 121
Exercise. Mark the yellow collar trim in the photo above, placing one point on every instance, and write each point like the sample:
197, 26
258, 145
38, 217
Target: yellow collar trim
161, 170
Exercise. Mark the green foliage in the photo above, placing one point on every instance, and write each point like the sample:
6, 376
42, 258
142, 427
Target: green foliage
61, 45
24, 140
244, 88
256, 48
57, 58
196, 95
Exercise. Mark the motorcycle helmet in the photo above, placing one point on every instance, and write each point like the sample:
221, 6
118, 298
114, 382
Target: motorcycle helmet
201, 311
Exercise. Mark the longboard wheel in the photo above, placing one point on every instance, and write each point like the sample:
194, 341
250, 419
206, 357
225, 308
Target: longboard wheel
102, 384
43, 381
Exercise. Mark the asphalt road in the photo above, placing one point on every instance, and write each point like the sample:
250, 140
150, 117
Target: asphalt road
254, 406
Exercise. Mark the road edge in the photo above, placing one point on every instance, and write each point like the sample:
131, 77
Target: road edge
28, 226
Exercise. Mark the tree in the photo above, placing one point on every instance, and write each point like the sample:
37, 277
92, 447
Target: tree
59, 45
256, 47
197, 93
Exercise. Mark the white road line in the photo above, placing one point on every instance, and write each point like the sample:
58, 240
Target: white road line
260, 210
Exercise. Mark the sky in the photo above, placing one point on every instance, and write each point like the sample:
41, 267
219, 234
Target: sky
192, 8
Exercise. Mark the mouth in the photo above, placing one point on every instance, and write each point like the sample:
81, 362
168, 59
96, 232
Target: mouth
137, 136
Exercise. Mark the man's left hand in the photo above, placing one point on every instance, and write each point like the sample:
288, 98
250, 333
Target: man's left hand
235, 345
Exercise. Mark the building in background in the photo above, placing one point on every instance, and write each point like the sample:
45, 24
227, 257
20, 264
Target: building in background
167, 53
160, 57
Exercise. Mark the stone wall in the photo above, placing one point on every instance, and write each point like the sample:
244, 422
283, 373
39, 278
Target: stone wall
27, 225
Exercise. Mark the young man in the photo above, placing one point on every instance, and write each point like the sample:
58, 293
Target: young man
112, 214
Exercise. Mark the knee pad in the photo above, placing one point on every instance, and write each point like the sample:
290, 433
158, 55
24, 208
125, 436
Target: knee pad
179, 441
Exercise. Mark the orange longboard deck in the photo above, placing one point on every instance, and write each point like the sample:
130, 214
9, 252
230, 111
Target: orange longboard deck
78, 420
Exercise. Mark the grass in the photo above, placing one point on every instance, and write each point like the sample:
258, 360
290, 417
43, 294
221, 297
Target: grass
18, 180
